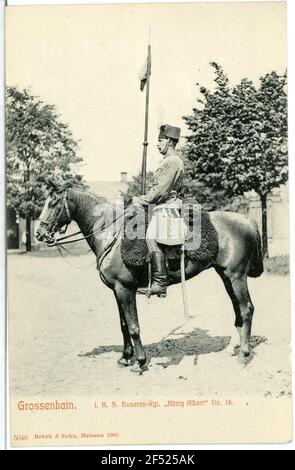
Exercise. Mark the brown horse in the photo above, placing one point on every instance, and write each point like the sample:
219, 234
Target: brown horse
239, 256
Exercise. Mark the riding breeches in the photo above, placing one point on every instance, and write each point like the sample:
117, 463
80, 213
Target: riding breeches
151, 234
157, 223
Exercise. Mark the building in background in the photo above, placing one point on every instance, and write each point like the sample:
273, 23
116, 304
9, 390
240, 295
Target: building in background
277, 215
111, 190
16, 226
277, 219
12, 224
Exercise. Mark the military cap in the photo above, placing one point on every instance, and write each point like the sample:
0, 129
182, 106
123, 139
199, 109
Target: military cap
167, 131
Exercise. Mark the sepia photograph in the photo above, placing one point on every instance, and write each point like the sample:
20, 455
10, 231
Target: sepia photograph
147, 224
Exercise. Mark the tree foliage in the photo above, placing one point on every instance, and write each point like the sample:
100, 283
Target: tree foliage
238, 139
196, 191
134, 186
37, 143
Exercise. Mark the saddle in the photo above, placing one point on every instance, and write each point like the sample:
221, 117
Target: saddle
200, 245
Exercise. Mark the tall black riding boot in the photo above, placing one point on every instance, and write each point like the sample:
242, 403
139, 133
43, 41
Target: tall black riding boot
159, 276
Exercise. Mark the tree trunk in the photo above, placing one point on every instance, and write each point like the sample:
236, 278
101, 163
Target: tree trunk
263, 199
28, 234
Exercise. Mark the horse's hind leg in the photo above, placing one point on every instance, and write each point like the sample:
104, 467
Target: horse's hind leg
237, 289
126, 358
235, 341
127, 299
241, 291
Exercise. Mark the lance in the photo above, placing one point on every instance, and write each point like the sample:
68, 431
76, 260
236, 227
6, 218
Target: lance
146, 82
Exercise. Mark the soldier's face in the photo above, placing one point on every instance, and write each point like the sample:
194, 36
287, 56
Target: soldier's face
162, 146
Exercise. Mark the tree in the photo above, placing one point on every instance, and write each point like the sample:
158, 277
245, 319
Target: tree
37, 142
238, 140
210, 200
134, 186
194, 191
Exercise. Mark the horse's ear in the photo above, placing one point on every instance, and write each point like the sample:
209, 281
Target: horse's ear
65, 186
68, 184
48, 182
51, 185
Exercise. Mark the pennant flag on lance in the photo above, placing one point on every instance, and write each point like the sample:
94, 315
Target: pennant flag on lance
144, 73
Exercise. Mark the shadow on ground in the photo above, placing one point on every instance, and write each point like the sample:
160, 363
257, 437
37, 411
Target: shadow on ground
174, 349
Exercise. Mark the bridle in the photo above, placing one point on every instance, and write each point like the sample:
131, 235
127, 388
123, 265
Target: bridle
53, 223
52, 227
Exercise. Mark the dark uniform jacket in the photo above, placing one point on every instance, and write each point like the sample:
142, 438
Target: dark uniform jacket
167, 183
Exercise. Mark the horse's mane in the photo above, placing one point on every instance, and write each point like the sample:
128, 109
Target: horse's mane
86, 211
84, 191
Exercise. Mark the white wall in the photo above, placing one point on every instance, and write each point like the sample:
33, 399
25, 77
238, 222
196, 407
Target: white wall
278, 219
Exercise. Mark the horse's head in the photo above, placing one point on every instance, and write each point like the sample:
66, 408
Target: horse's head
55, 214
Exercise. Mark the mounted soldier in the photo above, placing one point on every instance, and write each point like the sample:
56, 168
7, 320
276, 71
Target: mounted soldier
230, 244
165, 193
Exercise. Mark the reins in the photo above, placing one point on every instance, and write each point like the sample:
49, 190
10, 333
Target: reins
58, 247
93, 233
99, 261
60, 241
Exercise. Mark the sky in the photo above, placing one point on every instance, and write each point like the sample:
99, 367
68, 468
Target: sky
85, 59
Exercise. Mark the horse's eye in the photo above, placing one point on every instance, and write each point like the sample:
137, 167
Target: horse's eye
52, 203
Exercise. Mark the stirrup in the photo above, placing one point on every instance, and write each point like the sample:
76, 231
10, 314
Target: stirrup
148, 292
162, 296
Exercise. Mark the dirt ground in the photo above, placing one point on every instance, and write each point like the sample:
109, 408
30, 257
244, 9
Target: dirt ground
65, 338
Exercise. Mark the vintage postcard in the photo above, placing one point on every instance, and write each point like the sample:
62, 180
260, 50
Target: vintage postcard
147, 224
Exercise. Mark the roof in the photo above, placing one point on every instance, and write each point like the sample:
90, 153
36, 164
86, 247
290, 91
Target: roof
108, 189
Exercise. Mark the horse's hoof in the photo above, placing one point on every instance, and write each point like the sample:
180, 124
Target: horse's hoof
124, 362
245, 352
232, 349
137, 369
245, 349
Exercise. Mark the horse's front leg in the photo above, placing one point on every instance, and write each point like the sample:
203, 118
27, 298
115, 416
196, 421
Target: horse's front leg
127, 299
126, 358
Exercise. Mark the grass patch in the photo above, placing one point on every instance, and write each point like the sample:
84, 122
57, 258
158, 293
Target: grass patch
279, 265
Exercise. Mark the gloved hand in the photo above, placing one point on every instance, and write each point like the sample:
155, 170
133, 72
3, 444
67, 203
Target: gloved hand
136, 201
130, 211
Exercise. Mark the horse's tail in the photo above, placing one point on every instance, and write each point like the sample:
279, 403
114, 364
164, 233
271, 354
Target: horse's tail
256, 263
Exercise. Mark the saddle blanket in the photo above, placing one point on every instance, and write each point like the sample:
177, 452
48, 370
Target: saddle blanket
201, 242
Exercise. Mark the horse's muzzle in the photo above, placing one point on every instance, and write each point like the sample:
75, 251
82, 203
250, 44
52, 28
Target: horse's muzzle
39, 236
43, 236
